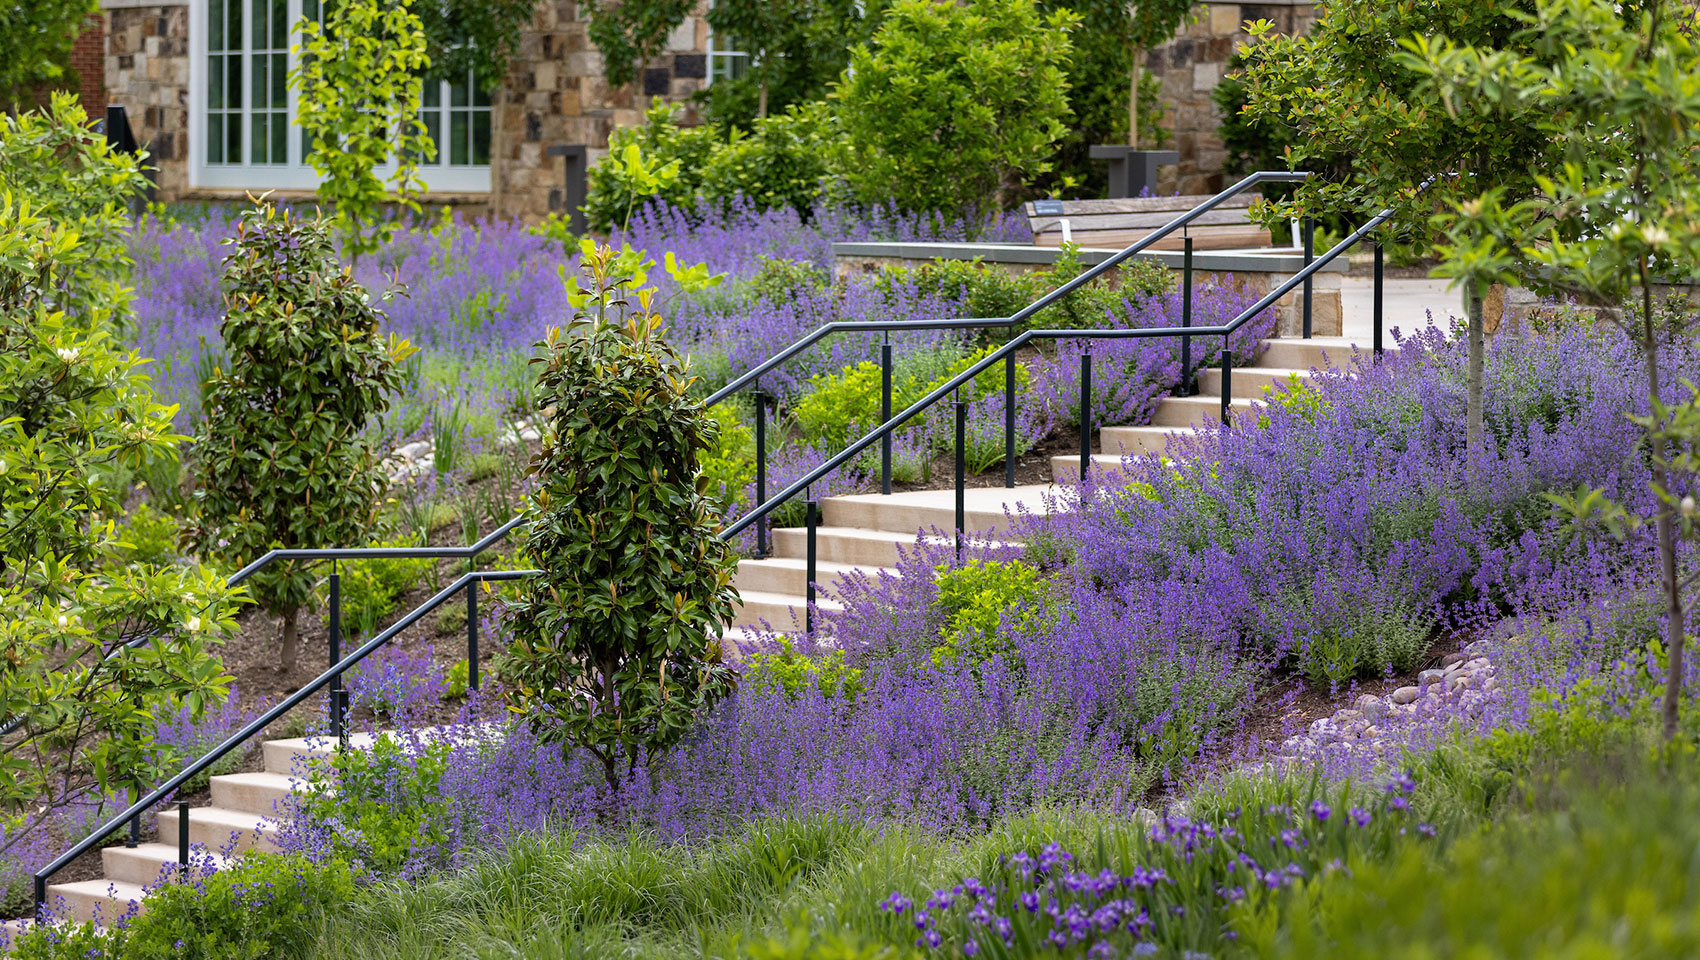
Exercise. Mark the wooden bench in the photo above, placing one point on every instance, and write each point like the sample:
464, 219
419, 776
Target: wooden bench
1114, 224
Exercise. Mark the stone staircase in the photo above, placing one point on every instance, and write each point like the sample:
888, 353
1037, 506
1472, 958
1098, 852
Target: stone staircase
856, 533
240, 818
1182, 416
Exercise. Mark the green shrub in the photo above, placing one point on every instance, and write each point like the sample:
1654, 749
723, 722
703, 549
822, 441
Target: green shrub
731, 466
974, 599
386, 802
262, 907
636, 587
457, 679
287, 458
148, 537
953, 101
779, 163
614, 191
792, 673
780, 281
838, 407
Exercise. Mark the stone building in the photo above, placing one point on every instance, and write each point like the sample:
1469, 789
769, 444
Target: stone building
1191, 65
203, 84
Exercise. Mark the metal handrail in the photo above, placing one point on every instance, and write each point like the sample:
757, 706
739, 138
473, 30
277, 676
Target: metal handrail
260, 723
332, 676
1007, 350
1097, 270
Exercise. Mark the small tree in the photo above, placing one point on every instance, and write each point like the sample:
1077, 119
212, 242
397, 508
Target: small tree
359, 80
1345, 88
285, 455
953, 102
616, 646
76, 416
1617, 89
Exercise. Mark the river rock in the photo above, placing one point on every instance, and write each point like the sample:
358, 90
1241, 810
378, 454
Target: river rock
1405, 695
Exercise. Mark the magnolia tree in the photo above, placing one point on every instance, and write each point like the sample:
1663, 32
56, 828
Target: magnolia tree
90, 652
1615, 89
616, 646
285, 456
1346, 88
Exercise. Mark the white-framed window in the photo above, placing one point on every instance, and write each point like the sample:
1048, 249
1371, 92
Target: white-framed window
725, 60
242, 131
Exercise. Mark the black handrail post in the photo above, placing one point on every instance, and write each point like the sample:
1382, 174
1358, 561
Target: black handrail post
1310, 254
961, 470
885, 414
761, 470
335, 639
1378, 289
1008, 421
1085, 411
183, 839
40, 898
472, 635
1186, 319
811, 520
1227, 379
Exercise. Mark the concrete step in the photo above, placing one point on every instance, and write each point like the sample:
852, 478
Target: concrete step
1137, 441
87, 900
1105, 467
143, 864
1295, 353
1176, 412
255, 792
1248, 381
906, 513
781, 611
218, 829
851, 546
790, 574
295, 756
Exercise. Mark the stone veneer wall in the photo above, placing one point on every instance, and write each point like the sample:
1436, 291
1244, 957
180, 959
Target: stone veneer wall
556, 95
147, 73
1190, 66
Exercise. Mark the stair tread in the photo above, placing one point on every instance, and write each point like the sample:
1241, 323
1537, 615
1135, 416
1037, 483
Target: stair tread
224, 817
750, 597
119, 890
798, 563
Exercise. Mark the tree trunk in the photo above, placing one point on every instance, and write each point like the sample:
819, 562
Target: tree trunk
1138, 73
291, 635
1663, 527
1473, 374
761, 90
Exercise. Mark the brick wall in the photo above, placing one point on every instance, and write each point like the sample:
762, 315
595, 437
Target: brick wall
1191, 65
88, 58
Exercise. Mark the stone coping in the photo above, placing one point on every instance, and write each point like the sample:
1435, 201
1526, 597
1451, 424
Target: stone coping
1207, 261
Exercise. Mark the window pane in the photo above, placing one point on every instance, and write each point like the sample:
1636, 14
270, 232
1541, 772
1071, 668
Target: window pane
215, 25
257, 25
310, 9
233, 33
479, 97
259, 137
280, 24
215, 138
457, 138
233, 73
257, 87
233, 139
481, 138
280, 138
432, 93
215, 82
457, 94
280, 80
434, 129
